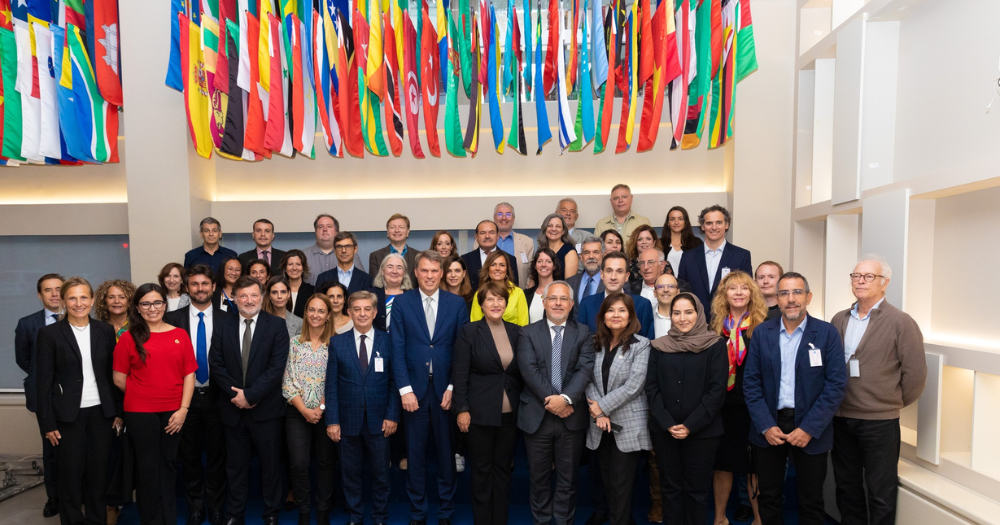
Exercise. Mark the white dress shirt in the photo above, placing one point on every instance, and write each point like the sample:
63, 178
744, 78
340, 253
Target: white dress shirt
368, 342
856, 328
712, 260
243, 327
193, 319
483, 254
661, 323
89, 396
48, 316
435, 297
649, 293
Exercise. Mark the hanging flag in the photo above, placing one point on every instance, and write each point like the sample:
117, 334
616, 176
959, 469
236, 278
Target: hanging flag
97, 119
701, 83
274, 130
195, 93
550, 58
308, 83
227, 9
253, 139
541, 114
71, 130
442, 39
106, 38
429, 79
27, 85
294, 27
264, 49
605, 113
232, 139
210, 45
11, 98
466, 25
371, 116
374, 75
665, 68
598, 47
411, 89
644, 41
49, 143
584, 128
626, 122
175, 77
739, 59
686, 57
321, 72
484, 34
452, 126
393, 121
574, 47
471, 143
528, 53
566, 133
350, 111
496, 118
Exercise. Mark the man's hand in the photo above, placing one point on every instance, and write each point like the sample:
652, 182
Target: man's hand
240, 400
333, 431
53, 437
799, 438
595, 409
555, 404
775, 436
446, 400
389, 427
410, 402
566, 412
679, 431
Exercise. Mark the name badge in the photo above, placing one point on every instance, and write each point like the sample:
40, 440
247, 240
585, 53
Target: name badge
379, 366
815, 357
524, 258
725, 272
855, 367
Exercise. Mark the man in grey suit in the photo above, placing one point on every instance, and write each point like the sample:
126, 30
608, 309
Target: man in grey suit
556, 361
588, 282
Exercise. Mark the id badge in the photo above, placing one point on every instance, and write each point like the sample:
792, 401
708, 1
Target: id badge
815, 357
524, 258
725, 272
379, 366
854, 367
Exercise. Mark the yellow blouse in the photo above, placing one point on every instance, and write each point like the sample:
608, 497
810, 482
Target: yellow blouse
517, 307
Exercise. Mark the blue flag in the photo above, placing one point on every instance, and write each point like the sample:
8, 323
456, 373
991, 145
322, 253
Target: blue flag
541, 115
598, 48
175, 78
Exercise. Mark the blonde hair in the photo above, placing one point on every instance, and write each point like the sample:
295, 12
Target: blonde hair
756, 306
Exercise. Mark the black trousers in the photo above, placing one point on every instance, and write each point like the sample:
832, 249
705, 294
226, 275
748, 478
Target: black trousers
491, 450
241, 440
305, 441
866, 453
204, 485
553, 443
83, 467
156, 458
685, 476
810, 473
50, 468
618, 468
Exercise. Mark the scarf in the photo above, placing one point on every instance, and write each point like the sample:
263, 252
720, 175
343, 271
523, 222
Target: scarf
733, 330
695, 340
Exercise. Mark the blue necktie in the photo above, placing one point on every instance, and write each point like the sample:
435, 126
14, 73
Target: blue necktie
586, 287
202, 351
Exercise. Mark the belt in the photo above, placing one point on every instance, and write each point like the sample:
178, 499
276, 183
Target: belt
202, 390
786, 412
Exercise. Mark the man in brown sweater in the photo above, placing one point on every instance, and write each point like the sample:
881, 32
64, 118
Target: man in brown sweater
884, 350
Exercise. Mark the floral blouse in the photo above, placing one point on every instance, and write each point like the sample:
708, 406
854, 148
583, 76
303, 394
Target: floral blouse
305, 373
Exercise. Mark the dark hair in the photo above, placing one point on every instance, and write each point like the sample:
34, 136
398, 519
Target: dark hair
543, 240
688, 238
199, 269
556, 264
715, 207
266, 292
602, 339
465, 289
246, 281
262, 262
265, 221
136, 324
326, 288
46, 277
794, 275
442, 233
632, 250
614, 255
494, 288
345, 235
165, 271
484, 222
336, 223
209, 220
687, 296
302, 257
605, 233
484, 273
220, 278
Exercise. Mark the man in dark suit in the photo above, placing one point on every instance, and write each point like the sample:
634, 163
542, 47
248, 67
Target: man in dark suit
614, 275
486, 239
425, 324
345, 245
246, 364
704, 267
363, 407
794, 382
556, 359
588, 282
263, 236
205, 489
397, 229
26, 355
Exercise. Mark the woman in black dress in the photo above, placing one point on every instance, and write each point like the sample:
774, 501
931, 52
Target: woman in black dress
555, 236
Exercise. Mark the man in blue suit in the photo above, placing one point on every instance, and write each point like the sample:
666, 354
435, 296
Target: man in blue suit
345, 245
362, 407
703, 267
614, 275
794, 381
425, 324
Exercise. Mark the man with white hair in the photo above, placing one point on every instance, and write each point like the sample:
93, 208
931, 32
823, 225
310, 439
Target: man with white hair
518, 245
884, 350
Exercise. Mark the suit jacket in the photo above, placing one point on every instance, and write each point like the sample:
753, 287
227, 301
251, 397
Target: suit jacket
819, 390
475, 264
360, 280
688, 388
59, 373
624, 401
26, 353
181, 318
534, 359
265, 369
479, 376
590, 306
575, 280
276, 255
412, 347
375, 261
353, 396
381, 318
524, 252
306, 291
694, 271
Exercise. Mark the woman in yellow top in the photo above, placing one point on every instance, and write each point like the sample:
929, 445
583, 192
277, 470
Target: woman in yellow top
495, 268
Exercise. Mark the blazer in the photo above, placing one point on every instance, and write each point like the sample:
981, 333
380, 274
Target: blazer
375, 260
306, 291
293, 324
524, 252
694, 271
819, 390
589, 308
59, 373
26, 354
475, 264
360, 280
412, 347
534, 359
265, 369
353, 397
276, 256
688, 388
381, 318
624, 401
479, 376
181, 318
575, 280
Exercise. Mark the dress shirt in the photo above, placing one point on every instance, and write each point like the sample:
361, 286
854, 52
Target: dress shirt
392, 249
789, 344
435, 301
856, 328
48, 316
536, 310
506, 243
583, 284
243, 328
319, 261
552, 338
712, 260
201, 256
193, 332
90, 395
483, 254
270, 253
369, 342
661, 323
649, 293
344, 276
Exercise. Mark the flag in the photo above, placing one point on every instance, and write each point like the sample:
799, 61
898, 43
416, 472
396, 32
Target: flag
226, 10
584, 128
253, 139
605, 113
528, 53
97, 119
471, 143
566, 133
574, 47
645, 43
496, 118
49, 142
371, 116
195, 92
293, 25
665, 69
393, 121
175, 77
429, 79
466, 25
210, 45
598, 47
738, 60
411, 89
11, 98
375, 77
350, 111
550, 58
26, 84
308, 84
232, 138
701, 83
484, 41
274, 129
264, 48
686, 57
442, 39
516, 138
541, 114
106, 38
452, 126
64, 92
626, 122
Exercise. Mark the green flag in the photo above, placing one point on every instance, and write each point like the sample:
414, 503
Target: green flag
453, 139
11, 98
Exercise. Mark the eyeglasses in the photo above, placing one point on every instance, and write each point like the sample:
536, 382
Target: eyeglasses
642, 264
796, 293
505, 214
667, 286
868, 277
155, 305
345, 247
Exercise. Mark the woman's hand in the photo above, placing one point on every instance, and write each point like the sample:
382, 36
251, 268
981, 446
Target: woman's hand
595, 409
53, 437
679, 431
464, 420
604, 423
311, 415
117, 425
177, 420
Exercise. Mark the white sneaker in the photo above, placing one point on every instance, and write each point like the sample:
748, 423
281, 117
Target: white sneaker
459, 463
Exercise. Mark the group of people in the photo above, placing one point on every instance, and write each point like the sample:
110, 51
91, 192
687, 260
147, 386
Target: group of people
634, 346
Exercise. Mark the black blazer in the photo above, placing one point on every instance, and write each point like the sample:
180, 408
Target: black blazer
268, 356
380, 315
276, 255
306, 291
360, 280
693, 270
375, 261
689, 389
479, 377
181, 318
474, 261
26, 353
59, 373
534, 356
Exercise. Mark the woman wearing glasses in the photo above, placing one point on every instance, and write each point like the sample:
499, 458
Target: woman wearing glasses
154, 365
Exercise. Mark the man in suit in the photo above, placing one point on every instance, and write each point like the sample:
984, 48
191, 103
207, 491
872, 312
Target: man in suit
363, 407
205, 488
588, 282
345, 244
794, 382
614, 275
246, 364
486, 242
397, 229
704, 267
26, 355
556, 360
425, 324
210, 253
518, 245
263, 236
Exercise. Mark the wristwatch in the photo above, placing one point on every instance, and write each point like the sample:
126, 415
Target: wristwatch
322, 406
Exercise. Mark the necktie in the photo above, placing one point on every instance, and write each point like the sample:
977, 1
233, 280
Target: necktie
55, 317
245, 352
202, 351
586, 288
363, 356
267, 256
429, 315
557, 359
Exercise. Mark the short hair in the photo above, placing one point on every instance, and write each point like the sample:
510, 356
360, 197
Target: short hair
885, 268
46, 277
485, 221
165, 271
769, 263
659, 254
295, 252
200, 269
101, 296
336, 223
591, 239
393, 217
430, 255
209, 220
505, 204
494, 288
612, 256
564, 283
74, 282
715, 207
794, 275
569, 199
621, 187
265, 221
245, 281
345, 235
362, 295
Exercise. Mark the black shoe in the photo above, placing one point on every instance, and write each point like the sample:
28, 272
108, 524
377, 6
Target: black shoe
289, 504
196, 518
359, 523
743, 513
444, 521
234, 521
273, 520
217, 519
51, 508
418, 522
597, 518
303, 518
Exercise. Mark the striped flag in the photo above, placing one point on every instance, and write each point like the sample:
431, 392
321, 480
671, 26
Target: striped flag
541, 114
665, 68
605, 113
626, 122
393, 120
584, 127
374, 75
452, 126
429, 79
471, 143
598, 47
739, 59
528, 53
566, 133
496, 117
233, 132
107, 42
550, 58
97, 120
195, 92
411, 87
175, 76
11, 98
686, 57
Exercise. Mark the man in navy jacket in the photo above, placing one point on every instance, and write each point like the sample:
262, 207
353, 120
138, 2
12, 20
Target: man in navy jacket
704, 266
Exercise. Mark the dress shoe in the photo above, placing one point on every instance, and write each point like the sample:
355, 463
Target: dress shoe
217, 519
444, 521
51, 508
655, 514
234, 521
303, 518
418, 522
597, 518
273, 520
196, 518
743, 513
323, 518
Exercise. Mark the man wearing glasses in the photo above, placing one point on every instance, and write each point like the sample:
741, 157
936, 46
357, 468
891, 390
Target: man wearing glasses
794, 381
345, 245
518, 245
652, 263
884, 351
210, 253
